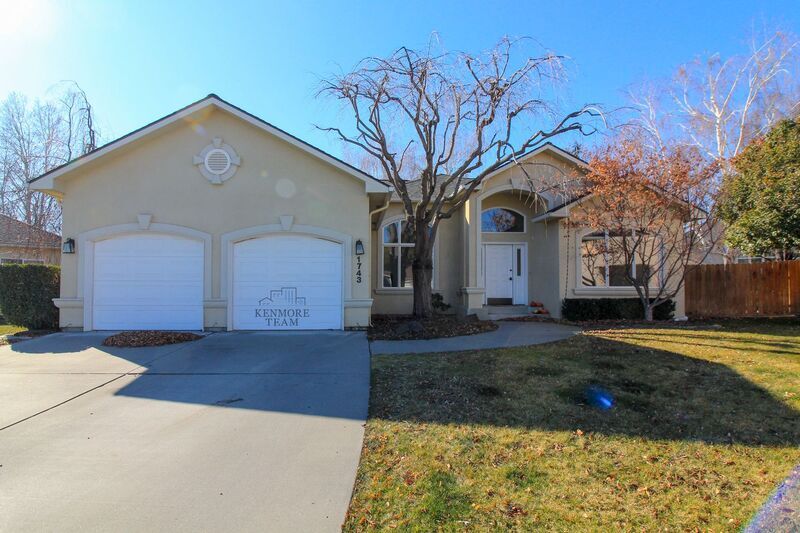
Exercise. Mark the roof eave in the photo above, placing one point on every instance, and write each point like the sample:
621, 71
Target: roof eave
562, 212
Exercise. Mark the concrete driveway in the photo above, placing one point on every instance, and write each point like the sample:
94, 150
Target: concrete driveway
235, 432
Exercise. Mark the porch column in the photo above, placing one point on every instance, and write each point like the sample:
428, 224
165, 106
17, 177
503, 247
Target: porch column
472, 293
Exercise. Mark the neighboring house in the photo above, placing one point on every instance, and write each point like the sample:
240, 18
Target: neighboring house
212, 218
22, 243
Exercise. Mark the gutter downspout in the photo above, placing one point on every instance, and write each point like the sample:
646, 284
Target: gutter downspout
371, 214
382, 208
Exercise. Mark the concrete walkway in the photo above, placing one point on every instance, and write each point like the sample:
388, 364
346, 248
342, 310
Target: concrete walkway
508, 335
234, 432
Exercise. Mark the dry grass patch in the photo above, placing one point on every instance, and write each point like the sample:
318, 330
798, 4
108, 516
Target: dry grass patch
10, 334
706, 423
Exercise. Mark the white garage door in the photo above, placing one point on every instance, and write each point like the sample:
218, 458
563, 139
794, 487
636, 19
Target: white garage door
287, 282
148, 282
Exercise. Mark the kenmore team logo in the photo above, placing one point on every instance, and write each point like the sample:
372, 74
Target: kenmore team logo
282, 308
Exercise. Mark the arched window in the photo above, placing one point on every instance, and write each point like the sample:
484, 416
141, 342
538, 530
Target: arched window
502, 220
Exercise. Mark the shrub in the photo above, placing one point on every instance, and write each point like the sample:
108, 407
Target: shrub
580, 309
438, 303
26, 295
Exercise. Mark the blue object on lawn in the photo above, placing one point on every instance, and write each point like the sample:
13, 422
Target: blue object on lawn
600, 398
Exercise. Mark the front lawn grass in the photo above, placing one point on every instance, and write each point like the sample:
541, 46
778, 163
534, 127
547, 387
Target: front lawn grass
706, 423
9, 329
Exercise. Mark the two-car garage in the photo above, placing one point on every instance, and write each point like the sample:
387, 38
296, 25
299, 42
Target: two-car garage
211, 218
156, 281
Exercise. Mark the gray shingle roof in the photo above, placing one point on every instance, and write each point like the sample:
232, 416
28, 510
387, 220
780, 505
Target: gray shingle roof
14, 232
414, 188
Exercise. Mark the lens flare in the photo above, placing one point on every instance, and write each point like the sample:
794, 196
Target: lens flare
285, 188
599, 398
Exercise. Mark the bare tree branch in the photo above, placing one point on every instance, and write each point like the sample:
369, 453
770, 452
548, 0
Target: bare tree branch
458, 117
36, 137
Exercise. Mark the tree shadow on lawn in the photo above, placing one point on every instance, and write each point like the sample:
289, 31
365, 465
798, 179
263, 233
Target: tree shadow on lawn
731, 342
749, 345
657, 394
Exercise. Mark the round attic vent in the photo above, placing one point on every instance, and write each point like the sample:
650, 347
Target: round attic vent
217, 161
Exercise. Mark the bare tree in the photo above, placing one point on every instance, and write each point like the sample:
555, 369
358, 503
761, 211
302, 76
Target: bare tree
449, 120
36, 137
719, 104
642, 205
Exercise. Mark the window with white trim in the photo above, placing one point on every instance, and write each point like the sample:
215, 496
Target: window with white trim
12, 261
397, 247
603, 263
397, 255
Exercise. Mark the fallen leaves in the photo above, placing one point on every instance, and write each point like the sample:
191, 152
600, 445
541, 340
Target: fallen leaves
386, 327
138, 339
513, 510
531, 459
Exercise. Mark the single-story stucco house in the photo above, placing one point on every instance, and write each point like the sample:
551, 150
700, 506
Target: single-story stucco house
211, 218
23, 243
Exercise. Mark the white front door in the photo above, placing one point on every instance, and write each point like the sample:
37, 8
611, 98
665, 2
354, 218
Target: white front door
147, 281
287, 282
499, 273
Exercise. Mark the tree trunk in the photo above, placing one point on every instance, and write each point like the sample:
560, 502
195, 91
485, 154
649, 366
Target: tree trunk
422, 270
648, 312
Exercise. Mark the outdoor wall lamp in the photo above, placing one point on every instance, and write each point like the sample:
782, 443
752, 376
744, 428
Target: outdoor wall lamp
68, 247
359, 247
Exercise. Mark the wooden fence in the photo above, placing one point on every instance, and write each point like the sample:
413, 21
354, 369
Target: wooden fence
744, 290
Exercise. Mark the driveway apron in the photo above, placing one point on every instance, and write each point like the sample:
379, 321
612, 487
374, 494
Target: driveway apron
237, 431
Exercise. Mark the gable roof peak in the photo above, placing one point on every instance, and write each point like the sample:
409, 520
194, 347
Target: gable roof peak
46, 181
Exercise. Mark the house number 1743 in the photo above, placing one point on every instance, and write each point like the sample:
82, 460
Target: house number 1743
358, 269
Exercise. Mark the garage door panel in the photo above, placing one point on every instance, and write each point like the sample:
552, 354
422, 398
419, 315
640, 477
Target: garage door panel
142, 293
137, 245
318, 317
147, 268
148, 282
290, 270
323, 294
292, 245
287, 282
149, 317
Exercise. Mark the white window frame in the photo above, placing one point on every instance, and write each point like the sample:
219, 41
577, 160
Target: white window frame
379, 285
523, 217
19, 261
607, 287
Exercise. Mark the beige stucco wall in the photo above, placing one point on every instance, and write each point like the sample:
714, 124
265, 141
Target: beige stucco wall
155, 176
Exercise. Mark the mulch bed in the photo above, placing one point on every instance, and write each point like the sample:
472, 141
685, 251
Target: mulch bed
393, 327
138, 339
529, 318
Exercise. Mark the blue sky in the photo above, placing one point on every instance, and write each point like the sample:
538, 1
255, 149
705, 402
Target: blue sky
141, 60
